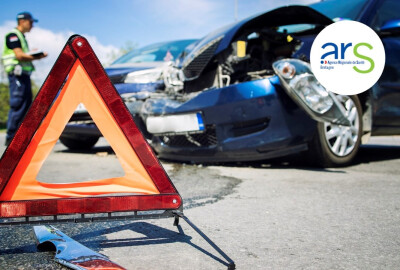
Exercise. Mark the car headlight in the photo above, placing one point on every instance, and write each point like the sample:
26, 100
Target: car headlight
297, 77
144, 76
173, 79
312, 92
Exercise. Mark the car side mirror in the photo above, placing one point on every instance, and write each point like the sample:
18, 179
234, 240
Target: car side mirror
390, 28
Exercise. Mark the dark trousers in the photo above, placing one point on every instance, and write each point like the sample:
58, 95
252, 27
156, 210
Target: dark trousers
20, 100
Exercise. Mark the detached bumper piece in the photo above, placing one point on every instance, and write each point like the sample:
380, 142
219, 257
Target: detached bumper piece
71, 253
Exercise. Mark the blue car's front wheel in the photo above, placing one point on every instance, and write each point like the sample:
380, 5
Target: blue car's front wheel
336, 145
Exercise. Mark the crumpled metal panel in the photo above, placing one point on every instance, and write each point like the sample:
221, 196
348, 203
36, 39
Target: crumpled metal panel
70, 252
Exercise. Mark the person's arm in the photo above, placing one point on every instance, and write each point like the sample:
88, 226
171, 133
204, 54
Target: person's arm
21, 56
13, 42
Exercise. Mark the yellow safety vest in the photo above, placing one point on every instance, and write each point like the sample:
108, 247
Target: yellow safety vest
9, 59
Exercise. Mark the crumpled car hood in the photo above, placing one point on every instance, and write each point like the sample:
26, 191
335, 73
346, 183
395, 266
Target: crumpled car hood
281, 16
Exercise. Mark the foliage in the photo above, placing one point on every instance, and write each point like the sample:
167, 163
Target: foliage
5, 100
35, 89
127, 47
4, 103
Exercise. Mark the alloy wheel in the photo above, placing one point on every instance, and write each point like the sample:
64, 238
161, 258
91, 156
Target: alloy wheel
342, 139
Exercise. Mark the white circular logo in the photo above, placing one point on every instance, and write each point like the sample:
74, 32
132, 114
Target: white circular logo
347, 57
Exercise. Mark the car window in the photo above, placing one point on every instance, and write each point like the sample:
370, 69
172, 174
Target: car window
166, 51
388, 10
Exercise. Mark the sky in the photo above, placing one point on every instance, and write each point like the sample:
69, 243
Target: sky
111, 24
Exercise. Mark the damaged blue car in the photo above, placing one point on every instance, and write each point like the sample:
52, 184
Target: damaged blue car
246, 92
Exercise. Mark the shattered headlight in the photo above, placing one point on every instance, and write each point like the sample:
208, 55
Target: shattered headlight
312, 92
144, 76
297, 77
302, 86
173, 79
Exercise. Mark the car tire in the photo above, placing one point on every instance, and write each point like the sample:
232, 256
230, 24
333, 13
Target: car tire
79, 143
336, 145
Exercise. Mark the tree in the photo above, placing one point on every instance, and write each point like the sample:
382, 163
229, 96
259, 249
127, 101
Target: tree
127, 47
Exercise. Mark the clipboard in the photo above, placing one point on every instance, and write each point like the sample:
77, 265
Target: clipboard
36, 53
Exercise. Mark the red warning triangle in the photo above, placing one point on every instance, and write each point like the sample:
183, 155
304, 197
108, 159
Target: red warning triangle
78, 77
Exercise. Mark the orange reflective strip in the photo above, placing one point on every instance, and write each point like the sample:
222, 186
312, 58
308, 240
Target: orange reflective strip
78, 89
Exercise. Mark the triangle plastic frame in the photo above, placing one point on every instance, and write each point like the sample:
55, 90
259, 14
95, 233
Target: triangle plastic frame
78, 49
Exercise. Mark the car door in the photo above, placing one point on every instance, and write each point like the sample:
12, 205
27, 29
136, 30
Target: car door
385, 19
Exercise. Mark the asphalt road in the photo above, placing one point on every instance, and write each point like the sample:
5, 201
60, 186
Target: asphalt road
279, 214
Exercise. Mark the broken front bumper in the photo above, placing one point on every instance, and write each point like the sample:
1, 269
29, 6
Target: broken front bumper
248, 121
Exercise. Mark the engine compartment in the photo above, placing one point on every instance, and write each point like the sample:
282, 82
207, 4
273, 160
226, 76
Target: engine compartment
249, 57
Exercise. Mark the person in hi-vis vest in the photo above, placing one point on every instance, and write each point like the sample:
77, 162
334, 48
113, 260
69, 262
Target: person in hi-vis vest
17, 60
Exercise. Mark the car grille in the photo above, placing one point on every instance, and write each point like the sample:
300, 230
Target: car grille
196, 66
208, 138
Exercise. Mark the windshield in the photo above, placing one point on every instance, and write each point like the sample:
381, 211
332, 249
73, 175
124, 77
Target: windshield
163, 52
334, 9
340, 9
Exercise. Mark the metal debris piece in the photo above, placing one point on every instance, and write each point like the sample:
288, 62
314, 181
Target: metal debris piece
70, 252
